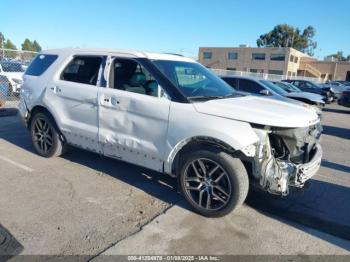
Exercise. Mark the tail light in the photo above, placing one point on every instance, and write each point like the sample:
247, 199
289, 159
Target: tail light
345, 94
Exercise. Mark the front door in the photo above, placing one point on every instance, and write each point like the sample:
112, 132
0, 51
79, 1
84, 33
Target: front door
133, 115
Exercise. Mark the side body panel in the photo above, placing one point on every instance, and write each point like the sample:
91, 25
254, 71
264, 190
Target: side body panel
185, 124
133, 127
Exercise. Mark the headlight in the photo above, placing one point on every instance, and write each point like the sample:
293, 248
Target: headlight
17, 81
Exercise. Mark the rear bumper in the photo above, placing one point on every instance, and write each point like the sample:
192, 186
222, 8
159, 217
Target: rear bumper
23, 110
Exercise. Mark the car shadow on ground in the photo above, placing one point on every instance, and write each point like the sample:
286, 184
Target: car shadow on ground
335, 166
336, 131
321, 205
334, 110
9, 245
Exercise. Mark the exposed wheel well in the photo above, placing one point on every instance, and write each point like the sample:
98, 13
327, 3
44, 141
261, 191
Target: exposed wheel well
41, 109
38, 109
204, 142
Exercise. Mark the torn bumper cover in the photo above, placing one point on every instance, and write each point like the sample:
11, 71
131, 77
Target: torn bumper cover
288, 161
280, 174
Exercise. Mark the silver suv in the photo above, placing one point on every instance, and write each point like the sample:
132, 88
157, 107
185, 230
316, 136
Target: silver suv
170, 114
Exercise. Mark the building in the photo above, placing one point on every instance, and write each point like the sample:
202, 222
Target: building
272, 60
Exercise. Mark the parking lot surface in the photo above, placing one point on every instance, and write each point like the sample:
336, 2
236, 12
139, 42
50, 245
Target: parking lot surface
82, 203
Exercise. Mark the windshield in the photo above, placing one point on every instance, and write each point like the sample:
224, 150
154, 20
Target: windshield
12, 67
194, 80
274, 87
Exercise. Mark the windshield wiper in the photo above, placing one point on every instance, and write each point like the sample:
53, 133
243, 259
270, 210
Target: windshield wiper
199, 98
196, 98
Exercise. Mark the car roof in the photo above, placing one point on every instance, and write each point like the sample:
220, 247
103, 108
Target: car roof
119, 52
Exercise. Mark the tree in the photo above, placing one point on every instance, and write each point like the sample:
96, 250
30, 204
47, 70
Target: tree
9, 45
288, 36
36, 46
27, 45
31, 46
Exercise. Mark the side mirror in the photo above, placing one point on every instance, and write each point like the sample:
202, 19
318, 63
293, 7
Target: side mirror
265, 92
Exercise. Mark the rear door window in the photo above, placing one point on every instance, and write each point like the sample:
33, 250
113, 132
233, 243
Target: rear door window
40, 64
249, 86
233, 82
82, 69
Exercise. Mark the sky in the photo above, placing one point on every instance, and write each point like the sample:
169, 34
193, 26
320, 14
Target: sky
176, 26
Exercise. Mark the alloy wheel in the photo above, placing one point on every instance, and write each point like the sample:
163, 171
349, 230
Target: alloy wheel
42, 135
207, 184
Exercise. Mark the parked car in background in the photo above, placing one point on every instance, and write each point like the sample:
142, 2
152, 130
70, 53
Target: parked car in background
170, 114
337, 87
4, 90
13, 71
297, 94
344, 99
311, 87
261, 87
345, 83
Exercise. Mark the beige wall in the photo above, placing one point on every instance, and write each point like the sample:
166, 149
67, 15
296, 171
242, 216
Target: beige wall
314, 68
245, 62
337, 70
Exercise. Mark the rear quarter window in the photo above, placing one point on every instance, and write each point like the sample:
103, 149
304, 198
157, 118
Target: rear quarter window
40, 64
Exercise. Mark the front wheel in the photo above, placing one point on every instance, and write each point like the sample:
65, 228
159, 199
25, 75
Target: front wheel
46, 137
213, 182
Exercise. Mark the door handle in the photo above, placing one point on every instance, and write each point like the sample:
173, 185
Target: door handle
56, 89
111, 101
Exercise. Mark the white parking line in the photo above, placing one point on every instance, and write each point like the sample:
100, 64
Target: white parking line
28, 169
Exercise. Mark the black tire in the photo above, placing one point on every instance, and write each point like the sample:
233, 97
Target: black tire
55, 146
236, 179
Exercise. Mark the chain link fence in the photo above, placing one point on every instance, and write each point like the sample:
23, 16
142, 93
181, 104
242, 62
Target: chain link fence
13, 63
271, 77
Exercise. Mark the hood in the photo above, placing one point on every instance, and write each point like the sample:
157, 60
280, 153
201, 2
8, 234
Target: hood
258, 110
309, 96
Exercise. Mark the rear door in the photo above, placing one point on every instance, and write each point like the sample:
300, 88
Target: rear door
133, 115
72, 95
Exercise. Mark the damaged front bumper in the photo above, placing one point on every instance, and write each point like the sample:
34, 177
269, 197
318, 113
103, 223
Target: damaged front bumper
277, 174
281, 175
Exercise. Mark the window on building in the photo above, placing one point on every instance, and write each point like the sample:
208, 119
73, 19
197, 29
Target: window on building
277, 57
289, 73
231, 68
291, 58
232, 56
296, 59
207, 55
276, 72
257, 70
258, 56
82, 69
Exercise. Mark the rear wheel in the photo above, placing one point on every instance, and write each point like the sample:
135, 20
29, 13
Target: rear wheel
213, 182
46, 137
